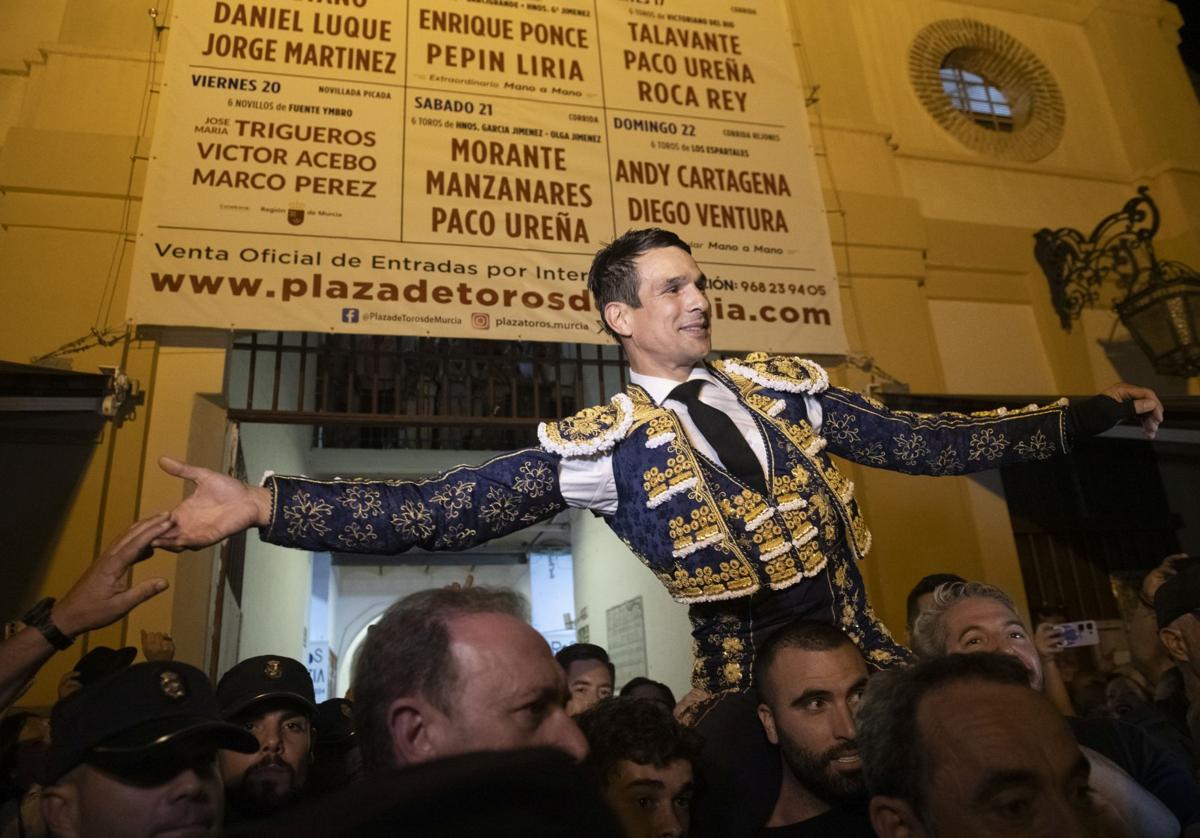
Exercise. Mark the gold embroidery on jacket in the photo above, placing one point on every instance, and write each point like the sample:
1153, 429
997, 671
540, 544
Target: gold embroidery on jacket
660, 430
1037, 447
500, 507
363, 501
591, 430
679, 475
730, 578
733, 650
748, 507
698, 530
811, 559
909, 449
534, 479
842, 489
455, 497
781, 569
765, 404
703, 527
413, 521
787, 373
305, 514
771, 541
355, 535
987, 445
789, 488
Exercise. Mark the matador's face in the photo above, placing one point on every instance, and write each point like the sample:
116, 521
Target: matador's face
668, 333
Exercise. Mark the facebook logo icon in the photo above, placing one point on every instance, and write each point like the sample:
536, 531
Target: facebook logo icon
349, 315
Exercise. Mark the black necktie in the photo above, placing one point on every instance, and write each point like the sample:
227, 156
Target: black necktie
725, 438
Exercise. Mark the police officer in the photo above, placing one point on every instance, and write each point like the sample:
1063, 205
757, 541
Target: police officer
272, 697
336, 758
136, 754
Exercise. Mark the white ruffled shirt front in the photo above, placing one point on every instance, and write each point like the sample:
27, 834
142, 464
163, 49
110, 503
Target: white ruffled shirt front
587, 482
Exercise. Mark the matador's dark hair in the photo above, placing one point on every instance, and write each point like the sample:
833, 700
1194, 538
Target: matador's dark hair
613, 277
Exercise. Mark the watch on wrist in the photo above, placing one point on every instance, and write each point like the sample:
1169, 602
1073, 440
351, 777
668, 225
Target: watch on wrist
38, 617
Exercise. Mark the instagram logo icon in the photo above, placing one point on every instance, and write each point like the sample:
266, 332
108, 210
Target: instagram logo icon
481, 320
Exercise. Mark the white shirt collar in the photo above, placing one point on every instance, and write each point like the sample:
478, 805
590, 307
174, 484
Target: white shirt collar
660, 388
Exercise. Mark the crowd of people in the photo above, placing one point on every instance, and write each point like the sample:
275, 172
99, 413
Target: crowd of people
460, 721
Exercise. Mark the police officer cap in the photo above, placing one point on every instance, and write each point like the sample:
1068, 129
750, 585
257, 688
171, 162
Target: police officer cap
136, 713
334, 722
1179, 595
102, 661
266, 677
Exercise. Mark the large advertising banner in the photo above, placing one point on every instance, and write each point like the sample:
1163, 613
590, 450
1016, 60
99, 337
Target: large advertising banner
449, 167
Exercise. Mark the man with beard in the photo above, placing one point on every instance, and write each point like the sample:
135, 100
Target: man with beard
272, 697
811, 677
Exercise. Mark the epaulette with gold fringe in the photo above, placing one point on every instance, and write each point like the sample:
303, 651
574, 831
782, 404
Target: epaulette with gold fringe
785, 373
593, 430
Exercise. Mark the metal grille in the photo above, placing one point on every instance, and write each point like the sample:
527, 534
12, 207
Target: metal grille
978, 98
373, 391
1074, 570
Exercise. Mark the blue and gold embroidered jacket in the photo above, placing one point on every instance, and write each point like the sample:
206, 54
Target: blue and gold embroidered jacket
735, 556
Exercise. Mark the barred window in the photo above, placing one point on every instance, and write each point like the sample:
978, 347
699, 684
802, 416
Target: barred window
978, 98
987, 89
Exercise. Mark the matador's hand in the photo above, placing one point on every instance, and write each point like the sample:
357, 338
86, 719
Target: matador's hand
219, 507
1145, 403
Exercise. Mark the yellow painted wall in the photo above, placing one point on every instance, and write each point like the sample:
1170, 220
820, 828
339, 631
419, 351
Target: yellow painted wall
932, 240
76, 86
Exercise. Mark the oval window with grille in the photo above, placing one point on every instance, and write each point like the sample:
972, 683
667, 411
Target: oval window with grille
987, 89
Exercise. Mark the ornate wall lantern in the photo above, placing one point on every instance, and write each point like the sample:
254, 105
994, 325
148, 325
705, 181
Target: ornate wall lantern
1161, 306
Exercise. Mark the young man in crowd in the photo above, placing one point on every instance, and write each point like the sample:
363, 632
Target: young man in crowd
270, 696
646, 689
811, 678
1137, 775
921, 595
449, 671
961, 745
644, 762
136, 754
590, 675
